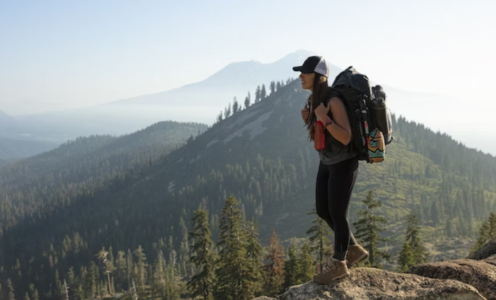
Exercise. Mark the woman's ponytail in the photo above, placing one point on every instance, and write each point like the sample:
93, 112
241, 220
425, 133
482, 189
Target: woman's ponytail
319, 95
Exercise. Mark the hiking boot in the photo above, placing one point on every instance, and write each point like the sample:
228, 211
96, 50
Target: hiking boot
355, 254
333, 269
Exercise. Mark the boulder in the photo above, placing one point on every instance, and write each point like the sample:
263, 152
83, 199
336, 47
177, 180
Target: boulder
485, 251
370, 283
478, 273
491, 260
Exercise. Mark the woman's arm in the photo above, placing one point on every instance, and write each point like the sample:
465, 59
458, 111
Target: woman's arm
340, 129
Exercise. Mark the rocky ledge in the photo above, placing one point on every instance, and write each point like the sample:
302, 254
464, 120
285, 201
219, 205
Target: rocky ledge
370, 283
479, 270
479, 274
468, 278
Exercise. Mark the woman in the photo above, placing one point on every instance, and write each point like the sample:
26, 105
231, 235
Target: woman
338, 168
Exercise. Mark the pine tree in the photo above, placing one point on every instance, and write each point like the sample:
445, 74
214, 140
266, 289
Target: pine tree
272, 87
306, 263
10, 288
319, 233
106, 266
140, 267
247, 100
66, 291
227, 111
263, 92
32, 290
111, 257
235, 106
134, 291
184, 248
257, 94
203, 257
406, 257
274, 269
59, 288
130, 267
291, 266
121, 271
243, 213
159, 276
254, 257
89, 285
172, 252
368, 231
83, 273
278, 85
71, 277
171, 290
487, 232
232, 281
413, 237
219, 117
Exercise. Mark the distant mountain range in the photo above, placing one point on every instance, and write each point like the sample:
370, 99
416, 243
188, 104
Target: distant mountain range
198, 102
203, 101
235, 79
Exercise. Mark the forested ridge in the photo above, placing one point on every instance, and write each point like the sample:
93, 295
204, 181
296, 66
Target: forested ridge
13, 149
259, 154
36, 186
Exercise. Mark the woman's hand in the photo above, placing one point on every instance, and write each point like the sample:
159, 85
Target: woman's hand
304, 113
321, 111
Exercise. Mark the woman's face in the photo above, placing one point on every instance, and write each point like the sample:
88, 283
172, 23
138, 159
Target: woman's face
307, 80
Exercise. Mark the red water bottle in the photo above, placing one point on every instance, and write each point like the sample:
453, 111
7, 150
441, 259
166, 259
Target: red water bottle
319, 135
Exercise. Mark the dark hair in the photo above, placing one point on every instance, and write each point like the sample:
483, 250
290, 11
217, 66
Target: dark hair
319, 95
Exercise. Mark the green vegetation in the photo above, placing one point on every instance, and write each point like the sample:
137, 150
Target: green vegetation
319, 236
59, 209
368, 231
202, 283
413, 251
487, 232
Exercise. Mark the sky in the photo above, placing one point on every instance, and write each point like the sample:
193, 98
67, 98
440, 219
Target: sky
57, 55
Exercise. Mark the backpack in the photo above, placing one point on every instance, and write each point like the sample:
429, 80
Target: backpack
370, 120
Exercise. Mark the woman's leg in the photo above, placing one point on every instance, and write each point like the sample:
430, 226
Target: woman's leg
322, 199
322, 194
342, 177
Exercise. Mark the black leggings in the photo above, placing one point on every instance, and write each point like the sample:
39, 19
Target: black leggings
332, 198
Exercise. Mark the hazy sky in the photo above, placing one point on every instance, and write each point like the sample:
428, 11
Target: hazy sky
63, 54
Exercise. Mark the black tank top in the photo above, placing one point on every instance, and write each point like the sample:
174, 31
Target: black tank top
334, 150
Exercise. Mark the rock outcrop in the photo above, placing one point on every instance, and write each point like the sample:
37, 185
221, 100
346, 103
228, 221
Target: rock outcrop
370, 283
485, 251
480, 274
468, 278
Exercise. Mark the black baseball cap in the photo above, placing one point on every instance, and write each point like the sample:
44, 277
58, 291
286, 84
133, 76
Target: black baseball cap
314, 64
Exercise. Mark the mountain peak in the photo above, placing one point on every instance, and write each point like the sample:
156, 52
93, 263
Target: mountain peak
298, 56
